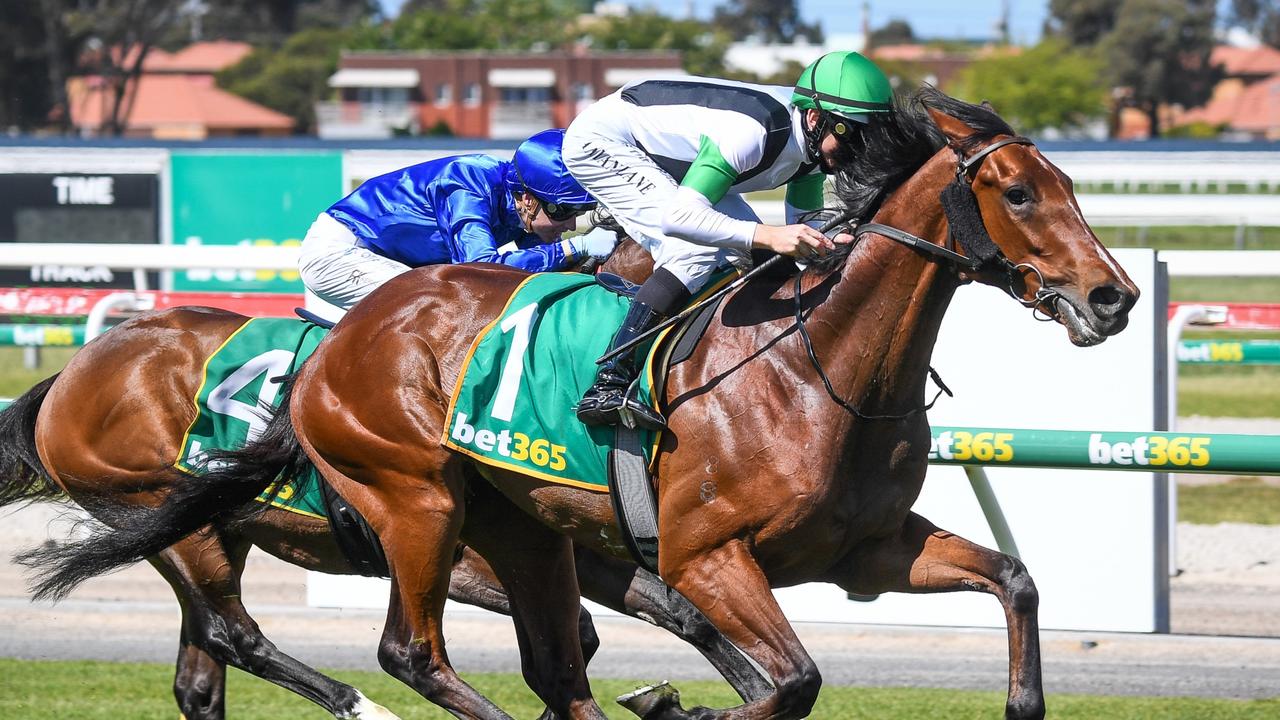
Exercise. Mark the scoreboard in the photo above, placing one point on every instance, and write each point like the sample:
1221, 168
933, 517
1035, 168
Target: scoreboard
77, 208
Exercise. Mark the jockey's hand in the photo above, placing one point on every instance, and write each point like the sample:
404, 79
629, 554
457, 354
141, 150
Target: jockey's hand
799, 241
842, 238
598, 243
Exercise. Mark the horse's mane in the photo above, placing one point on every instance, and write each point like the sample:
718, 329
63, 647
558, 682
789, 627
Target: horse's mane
894, 145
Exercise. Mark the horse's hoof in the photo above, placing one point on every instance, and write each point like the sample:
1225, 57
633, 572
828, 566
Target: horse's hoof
366, 709
653, 701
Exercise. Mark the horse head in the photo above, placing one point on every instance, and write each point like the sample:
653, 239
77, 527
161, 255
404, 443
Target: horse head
1015, 216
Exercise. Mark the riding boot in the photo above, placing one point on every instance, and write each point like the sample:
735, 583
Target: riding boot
604, 402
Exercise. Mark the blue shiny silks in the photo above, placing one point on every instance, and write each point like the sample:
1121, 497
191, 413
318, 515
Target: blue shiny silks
451, 210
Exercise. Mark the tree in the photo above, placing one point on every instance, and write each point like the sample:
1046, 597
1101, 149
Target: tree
289, 80
271, 22
896, 32
700, 45
26, 92
1159, 52
1081, 22
1048, 86
491, 24
1260, 17
774, 21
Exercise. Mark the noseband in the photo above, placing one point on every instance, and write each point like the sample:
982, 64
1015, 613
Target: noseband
981, 254
969, 234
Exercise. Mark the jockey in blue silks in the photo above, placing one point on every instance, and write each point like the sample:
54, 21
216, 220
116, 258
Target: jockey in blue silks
452, 210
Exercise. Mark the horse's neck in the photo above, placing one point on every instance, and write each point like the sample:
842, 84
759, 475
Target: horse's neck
886, 309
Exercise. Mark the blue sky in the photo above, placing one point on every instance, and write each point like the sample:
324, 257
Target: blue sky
929, 18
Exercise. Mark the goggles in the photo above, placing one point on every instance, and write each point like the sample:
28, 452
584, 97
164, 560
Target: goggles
841, 127
559, 212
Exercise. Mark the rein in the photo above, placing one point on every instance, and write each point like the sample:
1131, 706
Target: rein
981, 253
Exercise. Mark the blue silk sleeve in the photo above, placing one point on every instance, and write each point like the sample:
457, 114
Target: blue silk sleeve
466, 219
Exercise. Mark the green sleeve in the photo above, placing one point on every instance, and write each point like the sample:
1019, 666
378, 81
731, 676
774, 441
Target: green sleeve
710, 174
806, 192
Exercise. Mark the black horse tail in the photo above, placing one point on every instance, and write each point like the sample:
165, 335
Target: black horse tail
22, 475
222, 496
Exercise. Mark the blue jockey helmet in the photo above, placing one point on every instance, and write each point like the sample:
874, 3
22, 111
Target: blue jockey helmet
539, 168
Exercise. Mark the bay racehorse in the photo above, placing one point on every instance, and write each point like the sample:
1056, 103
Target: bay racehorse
114, 420
798, 439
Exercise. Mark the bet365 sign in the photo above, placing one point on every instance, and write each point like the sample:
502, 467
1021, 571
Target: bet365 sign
249, 199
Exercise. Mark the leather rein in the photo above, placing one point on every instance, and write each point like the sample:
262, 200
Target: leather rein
980, 254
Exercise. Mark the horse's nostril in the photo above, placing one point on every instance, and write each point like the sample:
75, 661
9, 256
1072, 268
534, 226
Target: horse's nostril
1108, 300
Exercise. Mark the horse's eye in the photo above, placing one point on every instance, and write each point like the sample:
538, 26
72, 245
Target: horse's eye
1017, 196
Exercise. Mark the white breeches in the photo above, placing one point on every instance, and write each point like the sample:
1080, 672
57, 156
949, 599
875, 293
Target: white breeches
631, 186
337, 269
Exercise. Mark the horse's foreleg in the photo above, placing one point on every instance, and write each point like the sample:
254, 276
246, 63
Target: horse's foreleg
474, 583
924, 559
217, 631
535, 564
730, 589
625, 587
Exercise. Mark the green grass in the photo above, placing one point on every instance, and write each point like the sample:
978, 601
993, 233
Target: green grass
41, 690
1241, 500
1172, 188
16, 379
1189, 237
1244, 391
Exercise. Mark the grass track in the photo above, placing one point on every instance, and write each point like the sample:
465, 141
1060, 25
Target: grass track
42, 690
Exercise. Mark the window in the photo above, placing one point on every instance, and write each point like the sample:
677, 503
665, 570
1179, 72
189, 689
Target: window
472, 94
382, 96
444, 94
582, 91
524, 95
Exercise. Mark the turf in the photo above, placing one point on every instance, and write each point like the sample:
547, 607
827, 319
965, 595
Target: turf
44, 690
1240, 500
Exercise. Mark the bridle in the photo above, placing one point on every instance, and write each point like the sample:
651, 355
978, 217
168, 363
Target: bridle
980, 254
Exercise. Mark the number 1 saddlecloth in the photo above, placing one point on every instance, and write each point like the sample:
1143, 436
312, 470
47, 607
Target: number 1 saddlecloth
513, 406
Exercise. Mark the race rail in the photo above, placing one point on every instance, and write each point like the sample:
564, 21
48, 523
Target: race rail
1215, 453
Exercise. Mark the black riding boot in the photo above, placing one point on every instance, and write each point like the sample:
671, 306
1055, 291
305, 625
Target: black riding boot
604, 401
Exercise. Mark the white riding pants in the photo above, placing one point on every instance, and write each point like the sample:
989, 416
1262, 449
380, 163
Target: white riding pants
631, 186
338, 269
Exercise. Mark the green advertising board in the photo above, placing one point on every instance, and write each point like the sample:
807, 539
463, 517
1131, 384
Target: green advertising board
249, 199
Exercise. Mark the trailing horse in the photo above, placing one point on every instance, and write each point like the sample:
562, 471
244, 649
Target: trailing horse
797, 445
110, 427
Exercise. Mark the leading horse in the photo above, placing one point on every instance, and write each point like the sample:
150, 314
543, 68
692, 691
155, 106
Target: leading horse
797, 445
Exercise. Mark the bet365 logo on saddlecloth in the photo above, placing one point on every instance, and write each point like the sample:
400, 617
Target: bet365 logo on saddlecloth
514, 445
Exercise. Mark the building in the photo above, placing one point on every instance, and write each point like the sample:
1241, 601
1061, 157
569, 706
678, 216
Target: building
175, 98
1246, 103
476, 93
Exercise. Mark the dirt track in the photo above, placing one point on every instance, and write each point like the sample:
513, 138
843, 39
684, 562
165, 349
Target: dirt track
1229, 587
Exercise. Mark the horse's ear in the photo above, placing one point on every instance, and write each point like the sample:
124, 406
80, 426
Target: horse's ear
953, 128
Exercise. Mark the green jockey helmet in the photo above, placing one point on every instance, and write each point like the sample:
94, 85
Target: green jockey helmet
844, 83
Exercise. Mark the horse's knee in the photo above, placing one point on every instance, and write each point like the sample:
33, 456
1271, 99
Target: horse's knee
1018, 587
798, 691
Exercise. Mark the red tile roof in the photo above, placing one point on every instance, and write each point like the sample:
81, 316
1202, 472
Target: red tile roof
1236, 61
174, 100
1255, 109
201, 57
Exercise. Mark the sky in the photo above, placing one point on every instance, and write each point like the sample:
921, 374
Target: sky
929, 18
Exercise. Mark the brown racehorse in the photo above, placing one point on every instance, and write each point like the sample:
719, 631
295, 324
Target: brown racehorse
797, 442
118, 413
